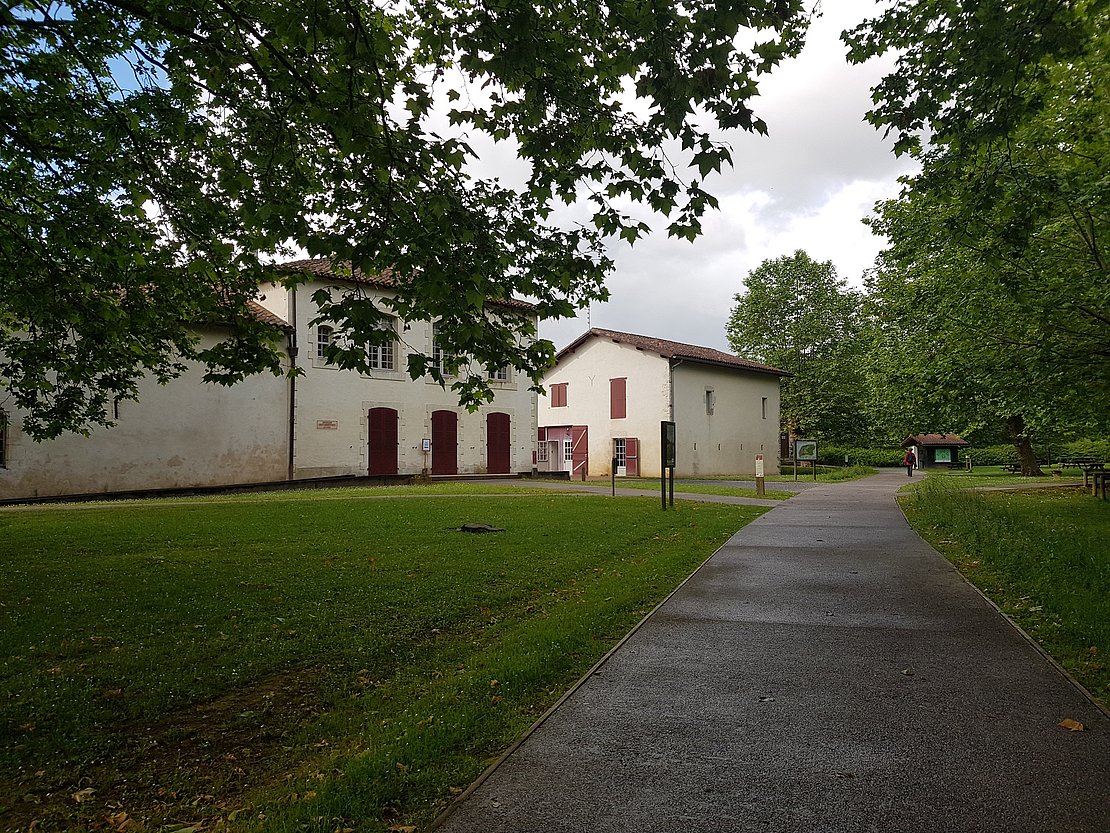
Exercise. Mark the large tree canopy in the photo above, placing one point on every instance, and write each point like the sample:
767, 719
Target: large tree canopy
797, 314
996, 285
156, 155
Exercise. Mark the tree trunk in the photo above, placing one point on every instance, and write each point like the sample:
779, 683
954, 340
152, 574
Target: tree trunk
1015, 427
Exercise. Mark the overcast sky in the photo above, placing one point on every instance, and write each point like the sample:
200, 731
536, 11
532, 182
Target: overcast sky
807, 185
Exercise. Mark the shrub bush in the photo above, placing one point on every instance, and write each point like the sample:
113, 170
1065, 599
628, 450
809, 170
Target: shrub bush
990, 455
833, 455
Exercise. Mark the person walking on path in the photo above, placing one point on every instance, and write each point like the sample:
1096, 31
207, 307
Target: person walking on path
909, 461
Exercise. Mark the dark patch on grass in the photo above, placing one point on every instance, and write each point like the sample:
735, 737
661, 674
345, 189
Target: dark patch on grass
205, 756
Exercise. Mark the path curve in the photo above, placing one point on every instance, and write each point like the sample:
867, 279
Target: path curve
828, 672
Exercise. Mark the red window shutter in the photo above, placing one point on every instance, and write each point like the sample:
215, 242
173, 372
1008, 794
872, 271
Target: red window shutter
559, 395
632, 457
617, 408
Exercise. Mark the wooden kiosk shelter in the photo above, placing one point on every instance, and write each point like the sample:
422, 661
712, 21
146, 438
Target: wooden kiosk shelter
936, 449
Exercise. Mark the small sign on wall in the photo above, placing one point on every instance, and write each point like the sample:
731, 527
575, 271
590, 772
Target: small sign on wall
425, 445
327, 425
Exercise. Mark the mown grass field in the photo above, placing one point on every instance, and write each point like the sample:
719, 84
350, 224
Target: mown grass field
1042, 555
313, 661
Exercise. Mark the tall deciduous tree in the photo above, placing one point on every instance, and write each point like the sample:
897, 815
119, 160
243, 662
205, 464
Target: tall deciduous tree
797, 314
156, 155
998, 255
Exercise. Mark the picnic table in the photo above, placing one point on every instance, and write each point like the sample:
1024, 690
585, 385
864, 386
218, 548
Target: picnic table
1089, 465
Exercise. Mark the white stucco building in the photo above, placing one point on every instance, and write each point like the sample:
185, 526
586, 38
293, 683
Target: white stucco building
325, 422
347, 423
609, 392
184, 434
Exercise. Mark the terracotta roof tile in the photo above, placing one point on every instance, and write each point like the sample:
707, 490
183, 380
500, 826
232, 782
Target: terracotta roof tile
267, 317
673, 350
323, 269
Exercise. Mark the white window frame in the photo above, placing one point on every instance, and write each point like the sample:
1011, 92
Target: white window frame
384, 356
568, 451
500, 374
541, 452
325, 337
620, 453
439, 357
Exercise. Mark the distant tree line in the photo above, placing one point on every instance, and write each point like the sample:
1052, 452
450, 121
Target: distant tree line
989, 312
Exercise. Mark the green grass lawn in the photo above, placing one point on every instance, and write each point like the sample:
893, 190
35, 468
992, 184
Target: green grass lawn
1042, 555
305, 661
702, 488
824, 475
998, 476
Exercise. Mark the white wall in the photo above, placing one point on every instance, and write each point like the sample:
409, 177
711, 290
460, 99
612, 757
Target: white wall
327, 396
188, 433
587, 372
183, 434
725, 442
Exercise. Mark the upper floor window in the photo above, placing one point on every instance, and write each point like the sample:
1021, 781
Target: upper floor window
500, 374
3, 439
765, 407
383, 356
559, 395
617, 407
440, 358
325, 335
710, 401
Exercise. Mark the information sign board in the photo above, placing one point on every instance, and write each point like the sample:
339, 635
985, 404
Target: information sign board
805, 449
667, 437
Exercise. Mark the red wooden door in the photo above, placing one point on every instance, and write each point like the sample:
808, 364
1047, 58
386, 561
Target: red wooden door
383, 441
632, 457
445, 442
579, 452
498, 444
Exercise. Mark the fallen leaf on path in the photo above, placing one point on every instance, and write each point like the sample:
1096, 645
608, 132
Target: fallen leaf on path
83, 795
1072, 725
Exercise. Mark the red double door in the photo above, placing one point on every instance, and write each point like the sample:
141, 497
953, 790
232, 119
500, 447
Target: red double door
445, 442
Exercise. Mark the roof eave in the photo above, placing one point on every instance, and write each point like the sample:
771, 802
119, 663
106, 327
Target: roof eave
764, 370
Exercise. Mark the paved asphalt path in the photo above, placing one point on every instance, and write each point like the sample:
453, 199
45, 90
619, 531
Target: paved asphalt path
825, 671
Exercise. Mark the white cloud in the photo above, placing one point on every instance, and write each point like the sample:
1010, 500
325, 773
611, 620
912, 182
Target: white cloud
808, 185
